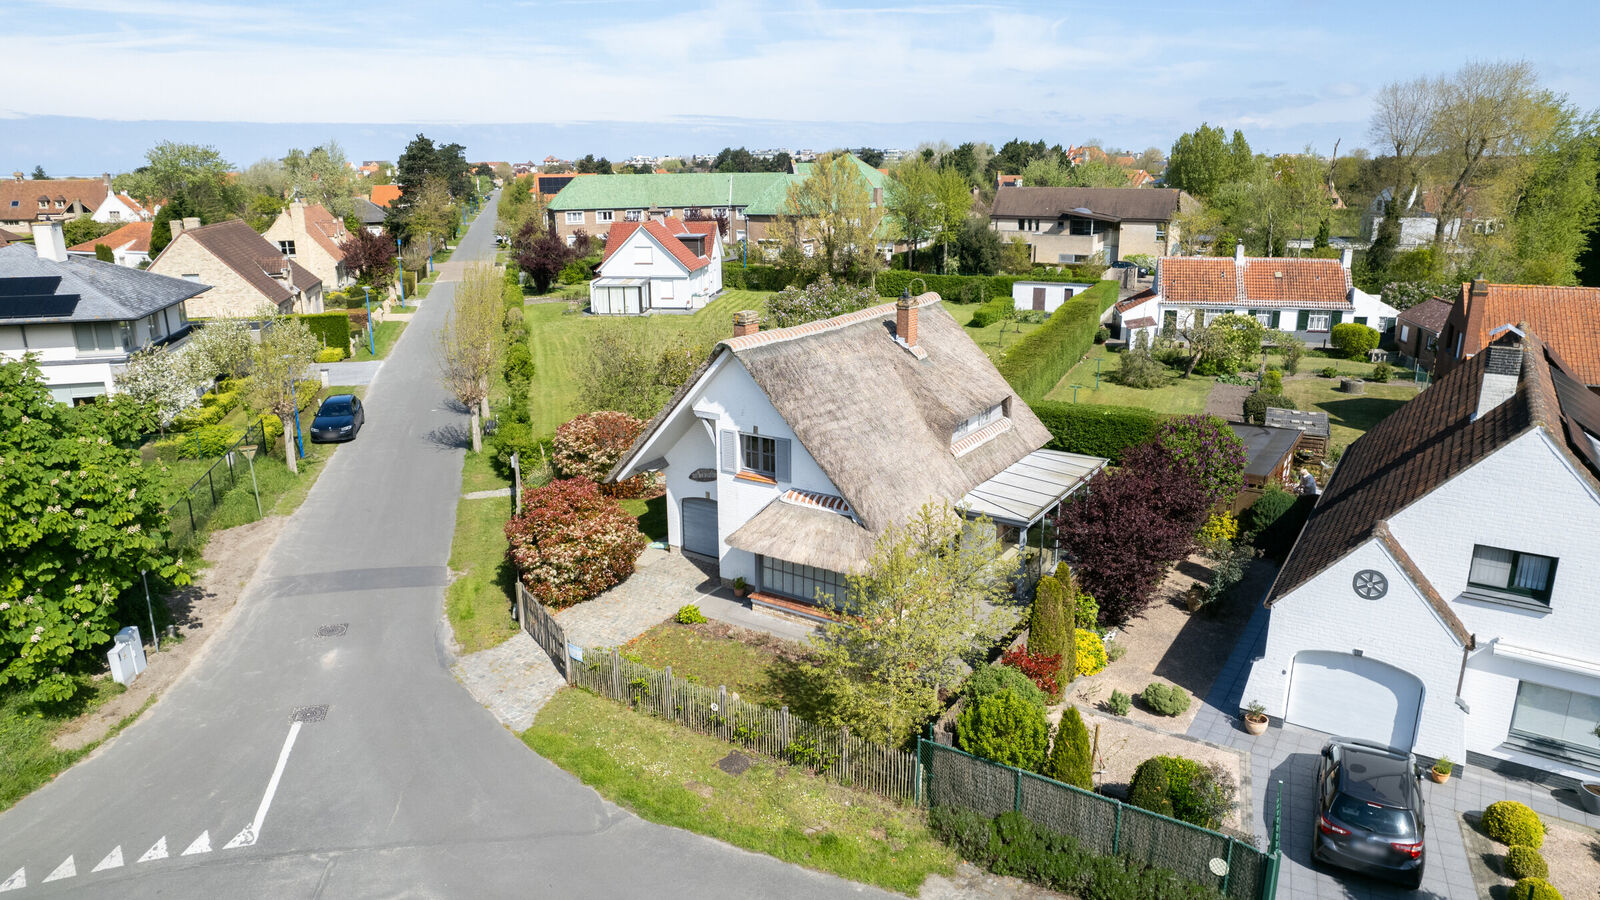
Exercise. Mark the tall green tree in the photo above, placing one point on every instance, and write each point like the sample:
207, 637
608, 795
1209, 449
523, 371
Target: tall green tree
1555, 204
278, 375
38, 173
1205, 159
420, 162
195, 175
82, 520
832, 213
322, 175
909, 203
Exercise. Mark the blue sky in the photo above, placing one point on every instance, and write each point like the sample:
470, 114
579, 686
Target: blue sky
95, 81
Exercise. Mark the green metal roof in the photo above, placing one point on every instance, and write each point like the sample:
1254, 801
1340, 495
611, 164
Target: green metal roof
666, 191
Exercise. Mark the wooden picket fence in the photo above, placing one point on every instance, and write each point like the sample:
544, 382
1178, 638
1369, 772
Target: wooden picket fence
833, 753
543, 628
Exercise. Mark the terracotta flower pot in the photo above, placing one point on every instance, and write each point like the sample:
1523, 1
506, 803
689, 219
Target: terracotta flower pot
1438, 776
1255, 724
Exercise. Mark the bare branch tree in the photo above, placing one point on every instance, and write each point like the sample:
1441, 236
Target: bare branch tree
1486, 110
1403, 122
286, 350
470, 343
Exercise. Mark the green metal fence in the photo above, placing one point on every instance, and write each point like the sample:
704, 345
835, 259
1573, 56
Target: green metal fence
1103, 825
190, 513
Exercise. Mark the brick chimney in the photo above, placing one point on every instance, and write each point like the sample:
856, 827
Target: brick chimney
746, 321
190, 223
49, 242
905, 319
1238, 253
1502, 370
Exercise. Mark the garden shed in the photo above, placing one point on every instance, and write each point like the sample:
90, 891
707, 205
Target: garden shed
1044, 296
1312, 425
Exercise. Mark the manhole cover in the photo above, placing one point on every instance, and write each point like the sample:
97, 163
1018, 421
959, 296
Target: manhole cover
333, 630
309, 713
734, 763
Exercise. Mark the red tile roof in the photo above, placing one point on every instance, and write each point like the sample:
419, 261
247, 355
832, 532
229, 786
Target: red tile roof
19, 200
1566, 318
665, 233
1262, 281
326, 230
134, 235
384, 194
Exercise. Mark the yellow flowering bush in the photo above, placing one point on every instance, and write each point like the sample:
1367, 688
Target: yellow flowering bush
1091, 652
1221, 529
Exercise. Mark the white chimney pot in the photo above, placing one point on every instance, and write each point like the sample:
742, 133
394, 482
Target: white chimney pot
49, 241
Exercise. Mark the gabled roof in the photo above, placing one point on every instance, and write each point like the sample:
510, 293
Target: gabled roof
20, 199
877, 419
665, 234
1261, 281
691, 189
82, 289
368, 212
1432, 439
252, 256
325, 229
1112, 204
1429, 315
1566, 318
385, 194
133, 236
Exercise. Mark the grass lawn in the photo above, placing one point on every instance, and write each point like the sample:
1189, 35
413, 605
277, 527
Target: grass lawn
385, 335
1349, 415
652, 516
700, 654
478, 474
1180, 396
667, 774
478, 602
27, 757
558, 340
995, 339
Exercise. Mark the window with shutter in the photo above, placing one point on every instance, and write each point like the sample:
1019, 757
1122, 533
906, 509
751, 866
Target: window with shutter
781, 457
1304, 322
730, 451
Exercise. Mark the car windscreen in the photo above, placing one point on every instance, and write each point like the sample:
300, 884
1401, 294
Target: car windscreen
335, 408
1388, 821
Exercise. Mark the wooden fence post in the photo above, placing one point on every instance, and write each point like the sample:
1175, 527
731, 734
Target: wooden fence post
722, 711
783, 728
666, 694
616, 676
844, 754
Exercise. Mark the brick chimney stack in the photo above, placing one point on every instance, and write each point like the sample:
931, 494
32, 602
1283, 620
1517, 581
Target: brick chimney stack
1502, 371
905, 319
746, 321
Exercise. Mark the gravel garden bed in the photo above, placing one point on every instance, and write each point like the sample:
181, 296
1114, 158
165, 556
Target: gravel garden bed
1572, 851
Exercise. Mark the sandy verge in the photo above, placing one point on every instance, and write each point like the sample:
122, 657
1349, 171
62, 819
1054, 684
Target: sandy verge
200, 611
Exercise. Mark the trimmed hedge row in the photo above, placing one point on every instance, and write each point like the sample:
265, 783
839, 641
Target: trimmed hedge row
992, 311
973, 288
332, 328
1096, 430
1037, 362
753, 278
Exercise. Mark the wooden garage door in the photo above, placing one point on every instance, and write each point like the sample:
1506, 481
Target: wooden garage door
1352, 696
700, 526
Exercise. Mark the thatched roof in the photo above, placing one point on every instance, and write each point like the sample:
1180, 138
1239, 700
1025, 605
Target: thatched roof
810, 537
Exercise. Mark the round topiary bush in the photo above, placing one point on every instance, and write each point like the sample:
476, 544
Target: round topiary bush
1514, 824
1525, 862
1004, 728
1149, 787
1533, 889
992, 679
1165, 699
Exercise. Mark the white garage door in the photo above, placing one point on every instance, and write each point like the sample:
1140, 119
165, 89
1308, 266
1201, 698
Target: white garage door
1352, 696
700, 526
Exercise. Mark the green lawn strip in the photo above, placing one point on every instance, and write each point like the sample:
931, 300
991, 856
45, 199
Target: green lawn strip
1349, 415
697, 654
1179, 396
28, 759
667, 774
478, 602
559, 337
479, 474
995, 339
384, 336
652, 516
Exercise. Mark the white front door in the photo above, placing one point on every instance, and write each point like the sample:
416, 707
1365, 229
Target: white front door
1353, 696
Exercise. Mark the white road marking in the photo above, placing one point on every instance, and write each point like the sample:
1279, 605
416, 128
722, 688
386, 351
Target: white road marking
159, 851
18, 879
67, 869
252, 832
202, 844
113, 860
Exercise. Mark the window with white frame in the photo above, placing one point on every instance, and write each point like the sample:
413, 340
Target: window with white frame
1319, 322
1555, 720
286, 248
808, 583
1405, 332
1027, 224
974, 422
1161, 231
1511, 572
633, 215
1264, 317
575, 217
604, 215
1211, 316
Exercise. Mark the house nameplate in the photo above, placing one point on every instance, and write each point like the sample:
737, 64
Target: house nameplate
703, 475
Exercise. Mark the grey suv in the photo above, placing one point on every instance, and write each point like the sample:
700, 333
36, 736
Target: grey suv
1369, 811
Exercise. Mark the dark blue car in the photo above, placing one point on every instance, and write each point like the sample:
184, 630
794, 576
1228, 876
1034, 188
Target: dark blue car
1369, 811
339, 418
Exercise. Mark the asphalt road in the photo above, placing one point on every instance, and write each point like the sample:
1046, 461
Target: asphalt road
403, 786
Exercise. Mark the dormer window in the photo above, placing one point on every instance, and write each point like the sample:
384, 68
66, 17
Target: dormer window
286, 248
975, 422
44, 202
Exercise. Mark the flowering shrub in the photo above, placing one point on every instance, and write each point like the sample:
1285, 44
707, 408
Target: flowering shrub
589, 445
1091, 652
1219, 531
571, 543
1208, 451
821, 299
1041, 668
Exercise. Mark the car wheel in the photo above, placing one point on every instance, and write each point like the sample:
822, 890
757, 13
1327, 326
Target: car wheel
1414, 883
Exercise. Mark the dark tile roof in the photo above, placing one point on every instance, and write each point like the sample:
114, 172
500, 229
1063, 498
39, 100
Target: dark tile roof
1135, 204
82, 289
368, 212
1429, 441
1265, 446
1429, 315
253, 257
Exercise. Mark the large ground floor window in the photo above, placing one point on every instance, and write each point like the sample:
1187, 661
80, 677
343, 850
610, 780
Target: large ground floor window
1552, 720
806, 583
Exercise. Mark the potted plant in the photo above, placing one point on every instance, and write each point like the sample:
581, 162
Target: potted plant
1440, 773
1255, 717
1589, 791
740, 587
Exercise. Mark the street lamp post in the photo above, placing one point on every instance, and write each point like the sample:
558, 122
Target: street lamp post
372, 342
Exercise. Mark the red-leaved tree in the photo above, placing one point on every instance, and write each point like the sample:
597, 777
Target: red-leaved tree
1129, 526
542, 254
571, 544
370, 256
591, 444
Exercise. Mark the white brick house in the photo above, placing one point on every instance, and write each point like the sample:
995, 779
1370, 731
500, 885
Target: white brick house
658, 265
1443, 593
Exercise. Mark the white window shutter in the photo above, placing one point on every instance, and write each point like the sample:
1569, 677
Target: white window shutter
730, 451
781, 460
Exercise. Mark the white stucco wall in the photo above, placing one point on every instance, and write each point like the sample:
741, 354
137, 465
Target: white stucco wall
61, 363
672, 286
1055, 293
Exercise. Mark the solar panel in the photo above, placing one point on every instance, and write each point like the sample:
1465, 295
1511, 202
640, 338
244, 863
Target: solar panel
37, 306
29, 284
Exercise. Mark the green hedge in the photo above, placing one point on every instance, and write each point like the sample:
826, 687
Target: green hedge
331, 328
1096, 430
753, 278
1037, 362
992, 311
973, 288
